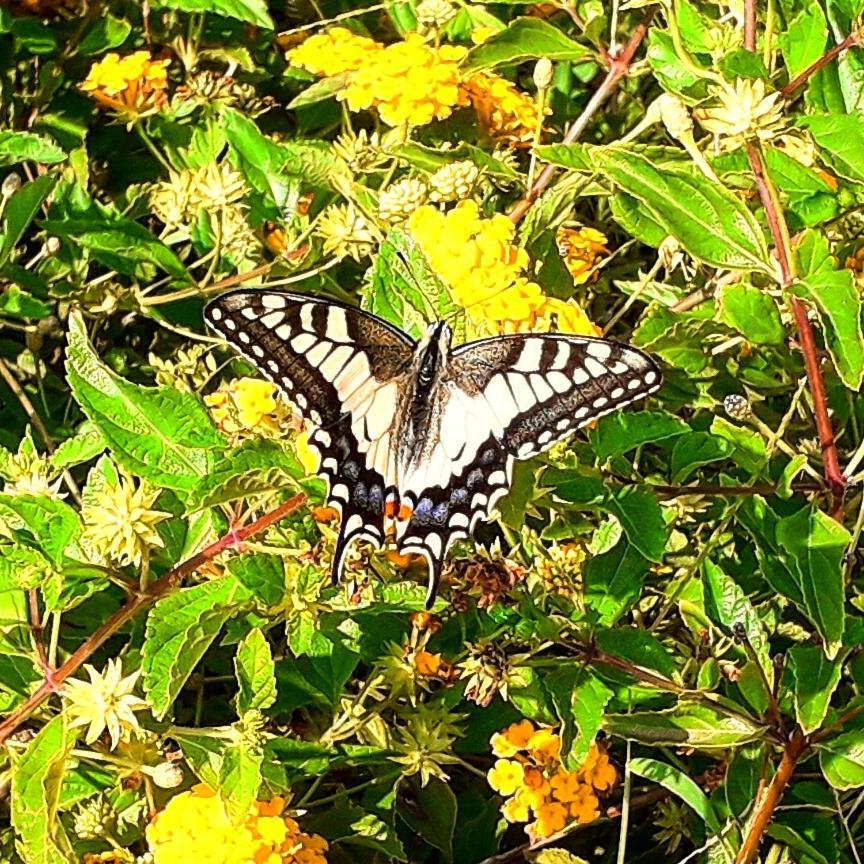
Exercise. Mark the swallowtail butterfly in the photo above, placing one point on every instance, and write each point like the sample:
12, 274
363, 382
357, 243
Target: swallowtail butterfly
417, 439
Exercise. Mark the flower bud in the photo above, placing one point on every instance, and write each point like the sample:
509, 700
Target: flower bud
542, 73
167, 775
11, 184
52, 245
736, 406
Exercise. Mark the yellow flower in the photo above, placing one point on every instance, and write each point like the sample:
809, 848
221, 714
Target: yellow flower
506, 776
582, 250
119, 525
566, 786
408, 83
504, 111
196, 826
106, 701
563, 316
516, 809
130, 85
245, 407
513, 739
744, 113
334, 52
346, 232
545, 745
551, 817
482, 34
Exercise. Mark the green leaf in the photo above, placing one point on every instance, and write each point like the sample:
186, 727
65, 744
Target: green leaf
47, 523
794, 839
751, 312
253, 468
28, 147
709, 221
432, 814
36, 784
86, 444
250, 11
617, 433
587, 700
613, 582
106, 33
404, 289
15, 303
842, 137
842, 760
815, 679
262, 574
747, 446
319, 676
119, 243
730, 608
814, 545
642, 519
639, 647
525, 39
158, 433
180, 628
679, 784
686, 725
803, 39
256, 673
240, 779
694, 450
320, 91
21, 209
631, 216
838, 303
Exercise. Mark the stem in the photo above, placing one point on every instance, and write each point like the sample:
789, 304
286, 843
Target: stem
853, 40
129, 610
796, 747
750, 25
618, 68
780, 234
148, 143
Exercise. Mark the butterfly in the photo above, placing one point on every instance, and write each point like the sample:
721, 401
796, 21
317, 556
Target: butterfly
417, 440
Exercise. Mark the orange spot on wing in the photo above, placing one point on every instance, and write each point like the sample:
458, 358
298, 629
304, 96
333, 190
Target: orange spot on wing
405, 512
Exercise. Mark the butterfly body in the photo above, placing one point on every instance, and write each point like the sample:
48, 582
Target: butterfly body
418, 440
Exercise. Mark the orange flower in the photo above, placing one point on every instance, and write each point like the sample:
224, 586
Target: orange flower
583, 250
132, 85
550, 818
504, 111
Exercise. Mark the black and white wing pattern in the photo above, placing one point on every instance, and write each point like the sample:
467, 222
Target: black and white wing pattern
509, 398
343, 370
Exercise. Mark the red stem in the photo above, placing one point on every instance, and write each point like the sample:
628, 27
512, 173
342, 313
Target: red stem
851, 41
129, 610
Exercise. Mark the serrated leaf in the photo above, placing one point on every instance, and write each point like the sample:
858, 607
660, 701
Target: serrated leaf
262, 574
158, 433
86, 444
751, 312
679, 784
642, 519
686, 725
815, 679
842, 760
21, 209
240, 779
747, 445
579, 701
256, 673
28, 147
837, 302
613, 581
842, 137
695, 450
36, 784
253, 468
813, 545
250, 11
524, 39
48, 523
180, 628
618, 433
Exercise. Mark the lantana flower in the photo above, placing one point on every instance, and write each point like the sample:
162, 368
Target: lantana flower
131, 86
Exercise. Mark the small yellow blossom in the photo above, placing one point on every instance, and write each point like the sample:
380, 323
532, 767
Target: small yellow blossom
409, 83
563, 316
550, 818
334, 52
245, 407
106, 701
119, 524
516, 809
196, 826
513, 739
744, 113
130, 85
506, 776
345, 232
504, 111
582, 249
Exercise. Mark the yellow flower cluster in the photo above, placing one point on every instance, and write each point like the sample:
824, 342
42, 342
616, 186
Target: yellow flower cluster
130, 85
539, 790
334, 52
504, 111
244, 407
485, 272
196, 826
583, 250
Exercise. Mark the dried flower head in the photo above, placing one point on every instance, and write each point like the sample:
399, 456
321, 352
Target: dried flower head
744, 112
362, 152
453, 182
131, 86
93, 818
426, 742
106, 701
435, 13
489, 579
400, 199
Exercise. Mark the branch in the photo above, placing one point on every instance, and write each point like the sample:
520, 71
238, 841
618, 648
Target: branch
853, 40
141, 601
796, 747
619, 67
780, 234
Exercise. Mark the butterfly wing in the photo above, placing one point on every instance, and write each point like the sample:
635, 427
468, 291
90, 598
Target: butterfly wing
341, 368
509, 398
